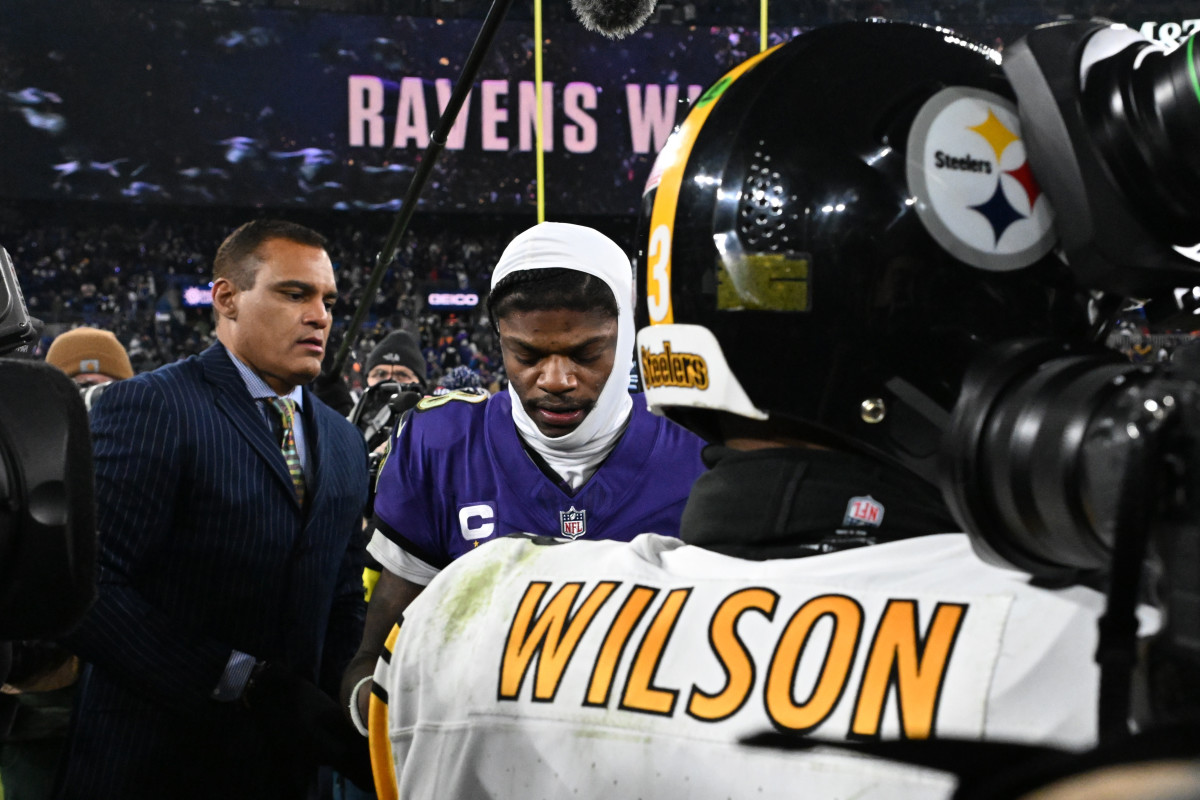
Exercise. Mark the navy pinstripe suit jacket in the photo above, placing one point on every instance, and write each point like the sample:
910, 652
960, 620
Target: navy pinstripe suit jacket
204, 549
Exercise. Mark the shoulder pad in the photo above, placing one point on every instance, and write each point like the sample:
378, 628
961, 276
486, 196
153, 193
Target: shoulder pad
427, 403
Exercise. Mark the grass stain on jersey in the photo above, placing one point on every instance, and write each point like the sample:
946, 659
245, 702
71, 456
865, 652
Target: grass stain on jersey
472, 589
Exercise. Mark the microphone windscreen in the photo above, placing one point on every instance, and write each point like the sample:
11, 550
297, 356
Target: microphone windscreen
613, 18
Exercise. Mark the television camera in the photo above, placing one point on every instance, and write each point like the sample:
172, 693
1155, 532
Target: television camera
47, 506
1068, 462
375, 415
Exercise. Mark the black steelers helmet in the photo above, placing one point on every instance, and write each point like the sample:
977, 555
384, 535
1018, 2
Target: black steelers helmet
838, 225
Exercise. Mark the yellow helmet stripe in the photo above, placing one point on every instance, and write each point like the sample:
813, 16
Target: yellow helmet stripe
668, 178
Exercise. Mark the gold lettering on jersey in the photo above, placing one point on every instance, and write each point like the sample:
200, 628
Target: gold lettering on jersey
640, 692
614, 644
552, 635
731, 652
667, 368
916, 668
801, 680
846, 615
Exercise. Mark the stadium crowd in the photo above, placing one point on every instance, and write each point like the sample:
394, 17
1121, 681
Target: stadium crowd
145, 277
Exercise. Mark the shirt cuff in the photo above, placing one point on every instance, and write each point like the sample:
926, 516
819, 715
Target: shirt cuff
234, 678
399, 561
355, 717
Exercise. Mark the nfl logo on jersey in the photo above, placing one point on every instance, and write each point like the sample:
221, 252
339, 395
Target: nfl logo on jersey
574, 523
863, 511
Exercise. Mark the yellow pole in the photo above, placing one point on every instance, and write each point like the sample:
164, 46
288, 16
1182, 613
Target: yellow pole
762, 31
537, 78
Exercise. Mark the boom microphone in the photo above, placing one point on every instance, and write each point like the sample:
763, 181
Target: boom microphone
615, 19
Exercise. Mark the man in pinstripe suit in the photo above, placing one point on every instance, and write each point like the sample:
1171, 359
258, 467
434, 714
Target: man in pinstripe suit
230, 589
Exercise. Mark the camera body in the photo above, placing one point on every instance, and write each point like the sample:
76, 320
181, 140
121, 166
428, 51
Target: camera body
1109, 121
16, 326
47, 506
375, 415
1068, 462
379, 408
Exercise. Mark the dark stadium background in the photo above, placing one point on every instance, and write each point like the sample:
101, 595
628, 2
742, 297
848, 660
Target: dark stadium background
136, 134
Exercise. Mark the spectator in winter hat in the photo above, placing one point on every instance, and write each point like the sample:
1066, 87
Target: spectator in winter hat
90, 356
397, 358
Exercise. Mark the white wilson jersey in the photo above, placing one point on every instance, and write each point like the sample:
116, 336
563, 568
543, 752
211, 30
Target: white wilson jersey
624, 670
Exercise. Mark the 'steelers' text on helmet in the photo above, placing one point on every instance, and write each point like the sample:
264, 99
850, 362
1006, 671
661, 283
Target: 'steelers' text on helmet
837, 226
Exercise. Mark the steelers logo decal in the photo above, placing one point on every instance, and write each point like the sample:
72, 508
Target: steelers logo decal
971, 183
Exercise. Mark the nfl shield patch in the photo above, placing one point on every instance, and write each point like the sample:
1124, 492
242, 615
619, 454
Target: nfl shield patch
574, 523
863, 511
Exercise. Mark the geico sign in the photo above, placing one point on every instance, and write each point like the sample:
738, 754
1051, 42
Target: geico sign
453, 299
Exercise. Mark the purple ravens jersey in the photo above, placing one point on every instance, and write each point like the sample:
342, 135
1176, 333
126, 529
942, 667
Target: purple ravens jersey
458, 475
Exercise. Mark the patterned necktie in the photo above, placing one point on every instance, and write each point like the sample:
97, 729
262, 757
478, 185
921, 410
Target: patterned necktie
286, 408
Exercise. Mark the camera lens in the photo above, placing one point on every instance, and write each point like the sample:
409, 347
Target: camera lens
1026, 471
1143, 106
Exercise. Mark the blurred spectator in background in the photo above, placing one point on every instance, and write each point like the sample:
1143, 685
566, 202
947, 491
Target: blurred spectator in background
460, 379
90, 356
397, 358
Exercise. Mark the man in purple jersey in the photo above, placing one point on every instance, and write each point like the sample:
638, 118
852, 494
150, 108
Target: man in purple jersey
566, 452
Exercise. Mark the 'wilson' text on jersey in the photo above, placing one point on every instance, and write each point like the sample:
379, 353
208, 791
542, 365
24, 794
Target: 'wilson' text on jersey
824, 659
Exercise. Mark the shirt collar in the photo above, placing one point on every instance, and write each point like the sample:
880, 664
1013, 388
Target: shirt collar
259, 389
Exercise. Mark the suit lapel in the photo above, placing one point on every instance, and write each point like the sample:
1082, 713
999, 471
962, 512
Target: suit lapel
233, 399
